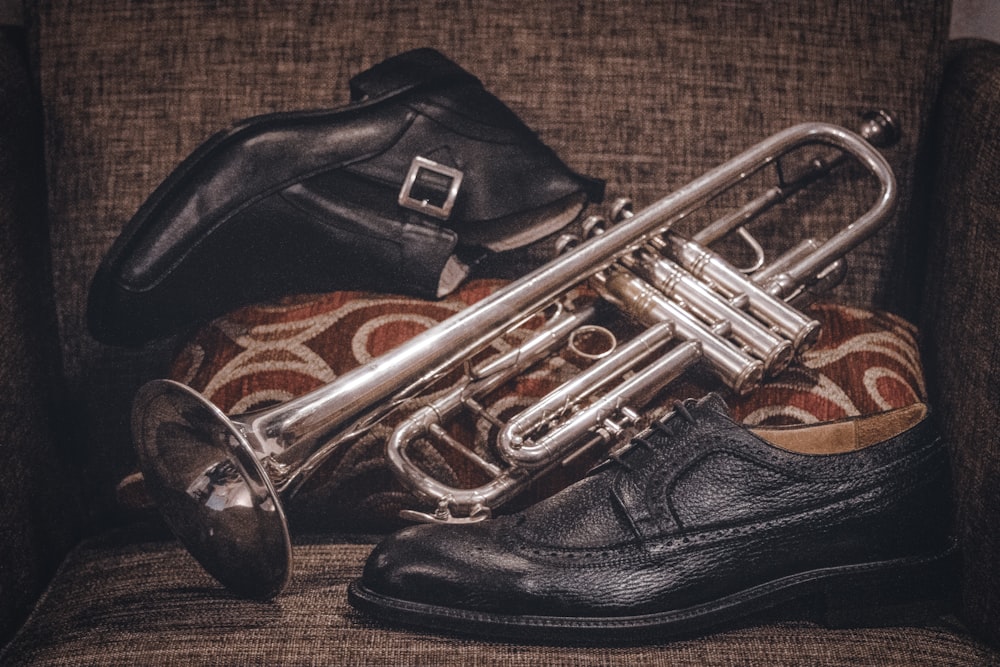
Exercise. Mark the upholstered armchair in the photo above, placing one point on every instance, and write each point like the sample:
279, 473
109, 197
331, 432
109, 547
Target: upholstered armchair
100, 101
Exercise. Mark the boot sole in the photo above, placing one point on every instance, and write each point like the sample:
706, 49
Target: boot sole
904, 591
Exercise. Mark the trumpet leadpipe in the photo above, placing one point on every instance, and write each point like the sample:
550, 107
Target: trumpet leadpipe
538, 345
490, 375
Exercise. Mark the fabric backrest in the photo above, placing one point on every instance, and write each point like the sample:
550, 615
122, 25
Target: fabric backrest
645, 95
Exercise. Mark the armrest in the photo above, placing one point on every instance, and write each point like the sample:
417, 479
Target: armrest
40, 516
960, 317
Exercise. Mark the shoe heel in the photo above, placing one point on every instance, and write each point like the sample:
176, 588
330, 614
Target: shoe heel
912, 592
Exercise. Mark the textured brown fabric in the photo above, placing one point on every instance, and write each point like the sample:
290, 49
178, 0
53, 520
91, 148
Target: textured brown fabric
38, 508
864, 362
962, 313
647, 95
117, 601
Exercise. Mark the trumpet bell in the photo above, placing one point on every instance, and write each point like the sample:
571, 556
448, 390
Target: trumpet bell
211, 489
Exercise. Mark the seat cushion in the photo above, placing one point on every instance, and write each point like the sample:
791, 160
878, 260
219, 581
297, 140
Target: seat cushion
863, 362
131, 598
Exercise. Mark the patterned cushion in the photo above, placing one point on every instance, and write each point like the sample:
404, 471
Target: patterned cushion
864, 362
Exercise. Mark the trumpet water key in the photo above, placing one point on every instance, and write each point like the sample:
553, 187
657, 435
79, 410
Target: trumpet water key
220, 481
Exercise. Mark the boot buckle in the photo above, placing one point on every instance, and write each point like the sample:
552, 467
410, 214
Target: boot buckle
425, 185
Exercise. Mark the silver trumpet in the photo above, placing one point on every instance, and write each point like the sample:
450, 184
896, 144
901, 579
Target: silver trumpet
219, 481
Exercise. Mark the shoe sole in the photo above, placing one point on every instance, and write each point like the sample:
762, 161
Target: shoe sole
903, 591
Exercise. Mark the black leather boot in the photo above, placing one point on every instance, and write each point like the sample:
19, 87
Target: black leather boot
700, 522
399, 191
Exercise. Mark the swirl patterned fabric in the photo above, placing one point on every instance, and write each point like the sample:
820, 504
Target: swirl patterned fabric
864, 362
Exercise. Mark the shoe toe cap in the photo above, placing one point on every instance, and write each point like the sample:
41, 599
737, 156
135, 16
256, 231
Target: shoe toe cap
441, 565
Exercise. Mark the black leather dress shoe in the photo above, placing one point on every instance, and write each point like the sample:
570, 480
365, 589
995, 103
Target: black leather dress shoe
698, 523
423, 173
